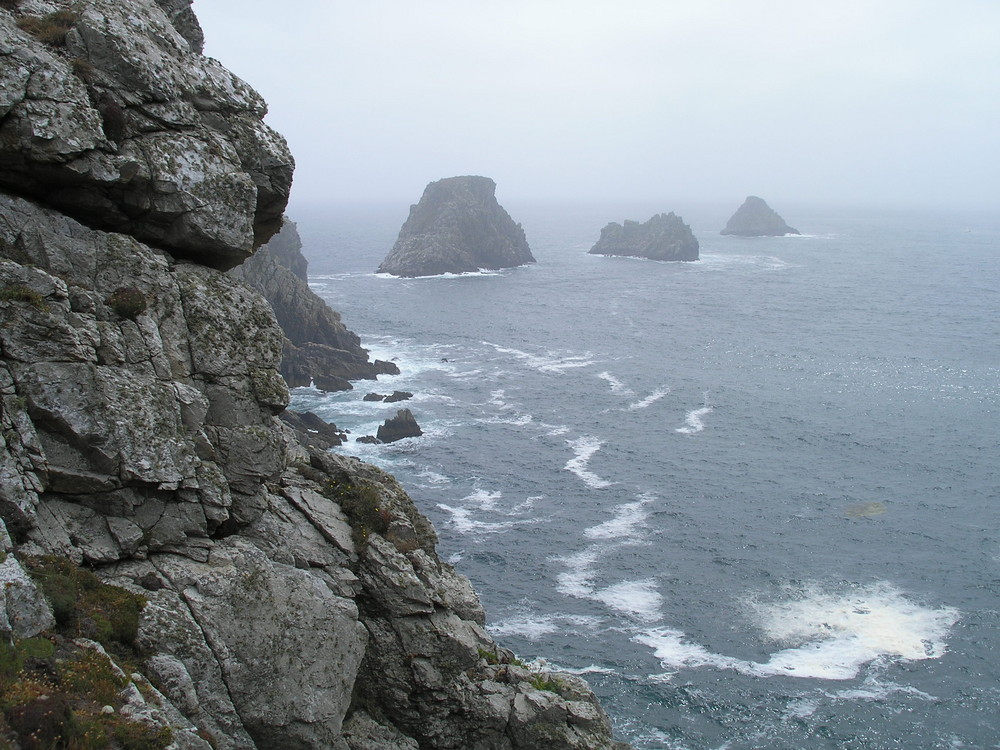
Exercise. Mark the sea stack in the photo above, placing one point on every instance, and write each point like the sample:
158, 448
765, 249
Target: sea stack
457, 227
663, 237
757, 219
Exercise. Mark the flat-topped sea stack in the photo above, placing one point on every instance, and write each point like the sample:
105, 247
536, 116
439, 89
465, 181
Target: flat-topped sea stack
663, 237
757, 219
457, 227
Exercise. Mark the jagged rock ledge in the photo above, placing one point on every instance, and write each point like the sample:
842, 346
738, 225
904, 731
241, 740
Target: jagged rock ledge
757, 219
457, 227
663, 237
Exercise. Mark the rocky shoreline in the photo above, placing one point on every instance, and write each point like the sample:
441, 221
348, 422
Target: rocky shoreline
177, 565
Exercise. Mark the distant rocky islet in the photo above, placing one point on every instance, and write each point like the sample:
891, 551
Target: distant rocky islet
663, 237
457, 227
757, 219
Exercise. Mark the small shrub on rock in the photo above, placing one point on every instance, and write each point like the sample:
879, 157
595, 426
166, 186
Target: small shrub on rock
128, 302
50, 29
20, 293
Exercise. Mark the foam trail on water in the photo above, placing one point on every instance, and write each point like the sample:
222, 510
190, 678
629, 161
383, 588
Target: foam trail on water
534, 627
651, 399
693, 421
578, 579
832, 635
617, 386
628, 519
640, 599
464, 523
585, 447
553, 363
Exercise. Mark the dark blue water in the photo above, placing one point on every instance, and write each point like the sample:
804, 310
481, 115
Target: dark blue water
752, 499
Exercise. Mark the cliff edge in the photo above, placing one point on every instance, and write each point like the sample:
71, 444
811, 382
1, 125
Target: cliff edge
457, 227
177, 570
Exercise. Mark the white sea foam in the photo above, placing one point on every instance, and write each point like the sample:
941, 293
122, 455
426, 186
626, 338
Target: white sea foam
617, 386
433, 477
651, 399
552, 362
577, 580
833, 635
483, 499
534, 627
584, 448
692, 422
628, 520
521, 420
464, 523
640, 599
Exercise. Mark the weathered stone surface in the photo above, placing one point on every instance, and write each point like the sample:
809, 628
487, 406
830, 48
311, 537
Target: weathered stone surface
403, 425
663, 237
457, 227
757, 219
23, 611
318, 349
128, 128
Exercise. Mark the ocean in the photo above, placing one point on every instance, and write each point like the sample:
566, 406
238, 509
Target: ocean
752, 499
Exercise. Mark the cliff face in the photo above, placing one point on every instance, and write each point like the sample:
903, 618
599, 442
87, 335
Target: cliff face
318, 348
280, 596
757, 219
663, 237
457, 227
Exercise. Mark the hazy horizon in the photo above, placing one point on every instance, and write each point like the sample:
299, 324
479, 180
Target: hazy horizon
854, 104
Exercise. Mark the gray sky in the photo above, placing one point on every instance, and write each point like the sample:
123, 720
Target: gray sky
880, 102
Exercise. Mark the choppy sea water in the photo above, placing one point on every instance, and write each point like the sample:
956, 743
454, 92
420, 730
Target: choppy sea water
752, 499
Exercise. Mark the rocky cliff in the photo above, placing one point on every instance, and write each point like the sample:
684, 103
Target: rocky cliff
177, 570
457, 227
663, 237
757, 219
318, 348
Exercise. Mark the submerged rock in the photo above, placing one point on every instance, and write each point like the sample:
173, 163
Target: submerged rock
457, 227
757, 219
663, 237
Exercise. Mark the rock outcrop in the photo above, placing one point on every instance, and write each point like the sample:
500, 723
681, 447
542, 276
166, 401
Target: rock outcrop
663, 237
457, 227
757, 219
161, 526
403, 425
318, 348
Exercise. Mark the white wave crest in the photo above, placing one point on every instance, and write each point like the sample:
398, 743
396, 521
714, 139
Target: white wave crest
692, 421
651, 399
617, 386
584, 448
628, 520
551, 363
464, 523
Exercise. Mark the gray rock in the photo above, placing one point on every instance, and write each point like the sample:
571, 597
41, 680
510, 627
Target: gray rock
663, 237
403, 425
318, 348
757, 219
24, 612
457, 227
